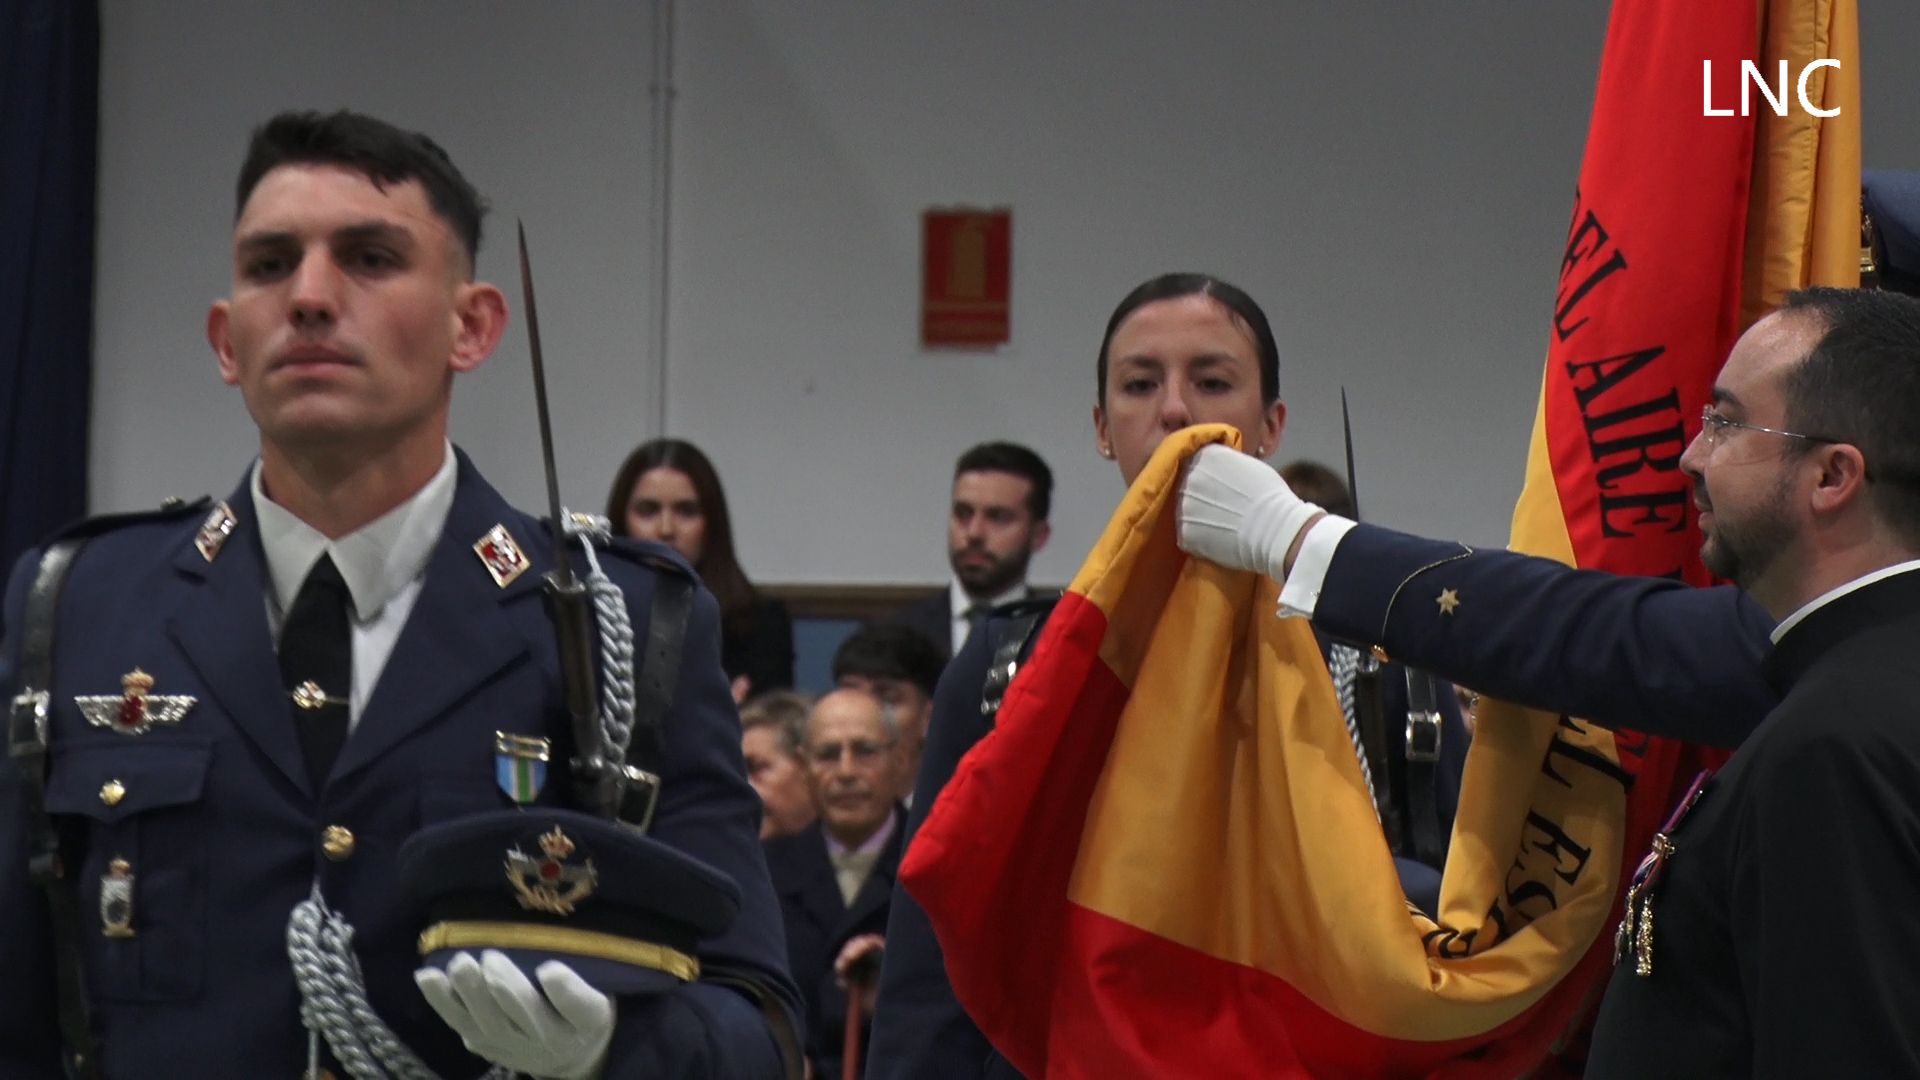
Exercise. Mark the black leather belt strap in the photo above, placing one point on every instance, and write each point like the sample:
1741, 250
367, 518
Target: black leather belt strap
1423, 757
1006, 660
1369, 713
28, 733
654, 683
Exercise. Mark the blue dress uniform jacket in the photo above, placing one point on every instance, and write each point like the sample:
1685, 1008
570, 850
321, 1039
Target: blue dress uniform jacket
820, 923
920, 1032
1646, 654
223, 834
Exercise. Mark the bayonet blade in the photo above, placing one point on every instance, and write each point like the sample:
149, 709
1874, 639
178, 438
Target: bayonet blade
562, 566
1346, 427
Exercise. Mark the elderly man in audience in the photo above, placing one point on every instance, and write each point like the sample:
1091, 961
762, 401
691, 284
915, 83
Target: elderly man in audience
835, 878
773, 736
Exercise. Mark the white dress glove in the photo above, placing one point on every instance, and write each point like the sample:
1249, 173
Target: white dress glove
1236, 511
490, 1003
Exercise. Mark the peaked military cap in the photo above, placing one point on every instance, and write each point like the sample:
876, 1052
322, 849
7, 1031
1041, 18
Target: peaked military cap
624, 911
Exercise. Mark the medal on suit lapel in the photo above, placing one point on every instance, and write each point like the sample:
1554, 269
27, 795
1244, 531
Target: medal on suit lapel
520, 765
1634, 937
552, 881
116, 900
136, 708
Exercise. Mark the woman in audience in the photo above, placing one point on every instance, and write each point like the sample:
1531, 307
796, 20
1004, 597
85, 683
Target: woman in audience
668, 491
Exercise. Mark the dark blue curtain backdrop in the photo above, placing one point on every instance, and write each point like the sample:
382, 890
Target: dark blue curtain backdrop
49, 122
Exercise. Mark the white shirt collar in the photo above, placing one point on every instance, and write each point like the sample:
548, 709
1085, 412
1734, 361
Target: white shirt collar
1831, 595
958, 601
377, 560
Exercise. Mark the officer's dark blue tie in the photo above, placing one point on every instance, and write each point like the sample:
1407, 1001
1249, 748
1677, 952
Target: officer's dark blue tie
316, 665
976, 616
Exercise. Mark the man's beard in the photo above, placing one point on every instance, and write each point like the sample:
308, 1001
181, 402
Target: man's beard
993, 577
1742, 551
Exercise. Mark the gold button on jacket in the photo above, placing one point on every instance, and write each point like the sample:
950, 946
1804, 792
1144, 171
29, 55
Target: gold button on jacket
337, 842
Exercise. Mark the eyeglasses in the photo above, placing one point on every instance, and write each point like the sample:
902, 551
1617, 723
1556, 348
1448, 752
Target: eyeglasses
1714, 427
864, 752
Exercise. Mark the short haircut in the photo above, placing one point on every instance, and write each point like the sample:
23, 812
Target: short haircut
1009, 457
1860, 385
1174, 286
373, 148
1317, 483
889, 651
785, 711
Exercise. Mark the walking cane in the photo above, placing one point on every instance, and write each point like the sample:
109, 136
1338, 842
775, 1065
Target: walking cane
860, 975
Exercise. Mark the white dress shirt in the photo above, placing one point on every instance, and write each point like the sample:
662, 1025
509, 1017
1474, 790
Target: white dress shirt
383, 563
958, 602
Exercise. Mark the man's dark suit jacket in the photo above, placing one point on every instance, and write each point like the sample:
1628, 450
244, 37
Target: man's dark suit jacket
819, 923
933, 617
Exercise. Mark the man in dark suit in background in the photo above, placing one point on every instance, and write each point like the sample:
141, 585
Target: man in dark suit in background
1002, 493
835, 878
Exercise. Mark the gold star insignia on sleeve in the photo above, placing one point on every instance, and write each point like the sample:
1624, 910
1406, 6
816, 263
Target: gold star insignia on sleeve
1449, 601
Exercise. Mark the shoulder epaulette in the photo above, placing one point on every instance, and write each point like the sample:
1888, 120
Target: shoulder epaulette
102, 523
648, 553
653, 555
1032, 605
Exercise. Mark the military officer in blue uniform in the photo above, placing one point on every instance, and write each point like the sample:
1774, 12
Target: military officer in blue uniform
200, 789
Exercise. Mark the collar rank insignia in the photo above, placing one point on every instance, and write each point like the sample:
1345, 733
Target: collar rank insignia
549, 882
501, 555
520, 765
136, 709
215, 530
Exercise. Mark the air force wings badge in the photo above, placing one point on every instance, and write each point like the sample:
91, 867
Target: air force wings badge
552, 881
136, 709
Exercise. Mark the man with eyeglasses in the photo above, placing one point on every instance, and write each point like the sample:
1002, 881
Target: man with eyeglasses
1784, 941
835, 878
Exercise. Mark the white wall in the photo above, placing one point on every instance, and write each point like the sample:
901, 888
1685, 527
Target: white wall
1392, 181
543, 106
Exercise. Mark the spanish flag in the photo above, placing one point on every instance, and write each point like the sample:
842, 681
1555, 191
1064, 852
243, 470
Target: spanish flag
1163, 861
